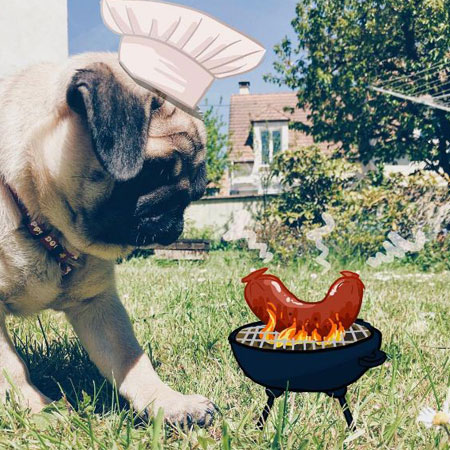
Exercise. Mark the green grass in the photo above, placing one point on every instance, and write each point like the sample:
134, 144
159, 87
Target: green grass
182, 314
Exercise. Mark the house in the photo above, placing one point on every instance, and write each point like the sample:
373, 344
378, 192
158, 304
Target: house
259, 129
32, 32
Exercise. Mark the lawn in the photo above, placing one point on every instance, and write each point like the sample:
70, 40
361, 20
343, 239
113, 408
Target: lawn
183, 313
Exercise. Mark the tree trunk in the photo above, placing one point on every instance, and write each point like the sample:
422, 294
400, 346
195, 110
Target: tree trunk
409, 32
444, 142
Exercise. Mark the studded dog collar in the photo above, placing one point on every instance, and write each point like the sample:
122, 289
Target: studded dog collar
64, 258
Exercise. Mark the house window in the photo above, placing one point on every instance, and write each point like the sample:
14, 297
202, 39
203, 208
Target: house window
241, 169
271, 138
265, 146
276, 141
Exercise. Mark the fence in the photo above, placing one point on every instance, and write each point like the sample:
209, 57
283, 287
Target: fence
218, 212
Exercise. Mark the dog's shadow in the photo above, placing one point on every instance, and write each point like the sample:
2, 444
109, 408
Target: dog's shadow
61, 367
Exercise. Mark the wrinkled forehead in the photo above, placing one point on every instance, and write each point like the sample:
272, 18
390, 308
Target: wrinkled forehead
173, 129
170, 127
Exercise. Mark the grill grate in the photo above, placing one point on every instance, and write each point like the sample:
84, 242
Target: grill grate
250, 336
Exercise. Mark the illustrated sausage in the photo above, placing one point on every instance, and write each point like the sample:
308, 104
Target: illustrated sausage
282, 311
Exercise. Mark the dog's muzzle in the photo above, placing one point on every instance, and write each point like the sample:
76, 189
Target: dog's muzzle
163, 229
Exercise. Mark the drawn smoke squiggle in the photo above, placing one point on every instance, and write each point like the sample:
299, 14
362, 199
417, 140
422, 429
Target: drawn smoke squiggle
238, 231
316, 236
396, 248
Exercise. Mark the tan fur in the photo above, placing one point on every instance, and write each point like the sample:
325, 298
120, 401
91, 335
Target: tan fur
44, 150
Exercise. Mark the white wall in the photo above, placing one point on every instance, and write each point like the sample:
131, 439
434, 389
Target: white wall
32, 31
217, 212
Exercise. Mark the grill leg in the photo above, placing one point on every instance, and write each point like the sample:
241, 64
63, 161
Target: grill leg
340, 395
347, 413
272, 394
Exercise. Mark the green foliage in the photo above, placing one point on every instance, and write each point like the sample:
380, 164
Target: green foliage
311, 180
216, 148
210, 234
344, 46
404, 204
435, 255
192, 232
365, 209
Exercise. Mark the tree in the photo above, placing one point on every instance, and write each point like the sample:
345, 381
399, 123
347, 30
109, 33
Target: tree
343, 47
217, 144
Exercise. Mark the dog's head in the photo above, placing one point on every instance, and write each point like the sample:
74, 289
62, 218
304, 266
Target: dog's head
131, 163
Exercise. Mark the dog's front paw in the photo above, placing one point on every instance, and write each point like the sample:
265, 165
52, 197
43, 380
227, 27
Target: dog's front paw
183, 410
38, 403
28, 397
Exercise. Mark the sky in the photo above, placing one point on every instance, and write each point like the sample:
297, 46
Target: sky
268, 21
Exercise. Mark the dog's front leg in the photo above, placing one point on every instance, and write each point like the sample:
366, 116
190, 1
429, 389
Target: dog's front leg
105, 331
14, 374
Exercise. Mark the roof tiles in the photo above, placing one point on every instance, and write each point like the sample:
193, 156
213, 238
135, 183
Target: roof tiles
248, 108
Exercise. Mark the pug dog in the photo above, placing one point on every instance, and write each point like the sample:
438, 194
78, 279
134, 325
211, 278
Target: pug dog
108, 166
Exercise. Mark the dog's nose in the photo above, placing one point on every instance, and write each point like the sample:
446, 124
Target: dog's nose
163, 200
154, 174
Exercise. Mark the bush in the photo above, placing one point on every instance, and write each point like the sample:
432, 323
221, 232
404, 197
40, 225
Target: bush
404, 204
191, 232
311, 181
435, 255
365, 209
208, 233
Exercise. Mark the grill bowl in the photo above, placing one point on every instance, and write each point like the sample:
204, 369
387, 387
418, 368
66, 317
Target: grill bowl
319, 370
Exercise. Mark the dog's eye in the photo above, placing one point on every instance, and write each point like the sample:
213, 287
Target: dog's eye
96, 176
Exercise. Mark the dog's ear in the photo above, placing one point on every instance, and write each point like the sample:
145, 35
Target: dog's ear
116, 118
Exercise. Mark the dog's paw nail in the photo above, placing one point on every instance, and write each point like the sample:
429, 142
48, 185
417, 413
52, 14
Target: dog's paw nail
187, 410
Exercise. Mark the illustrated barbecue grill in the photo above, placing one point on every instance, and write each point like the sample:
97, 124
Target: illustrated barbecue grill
306, 366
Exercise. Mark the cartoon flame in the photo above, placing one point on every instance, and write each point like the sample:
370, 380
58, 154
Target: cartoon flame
267, 331
292, 336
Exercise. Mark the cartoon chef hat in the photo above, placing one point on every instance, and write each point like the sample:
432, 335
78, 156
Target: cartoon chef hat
177, 50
